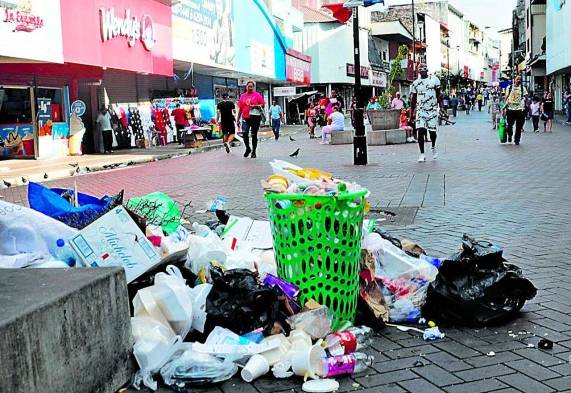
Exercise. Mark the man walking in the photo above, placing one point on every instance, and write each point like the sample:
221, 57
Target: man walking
277, 117
425, 104
104, 123
514, 109
454, 105
226, 116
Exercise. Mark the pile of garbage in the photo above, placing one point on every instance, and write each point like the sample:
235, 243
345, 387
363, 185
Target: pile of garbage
236, 295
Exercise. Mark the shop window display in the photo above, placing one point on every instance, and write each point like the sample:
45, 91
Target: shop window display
16, 129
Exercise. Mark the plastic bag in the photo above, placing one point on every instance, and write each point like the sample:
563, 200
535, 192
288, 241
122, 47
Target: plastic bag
195, 368
159, 209
476, 288
26, 231
316, 322
52, 203
203, 248
502, 134
155, 343
238, 302
168, 301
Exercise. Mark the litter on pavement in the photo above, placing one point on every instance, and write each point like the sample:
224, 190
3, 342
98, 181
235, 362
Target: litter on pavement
302, 294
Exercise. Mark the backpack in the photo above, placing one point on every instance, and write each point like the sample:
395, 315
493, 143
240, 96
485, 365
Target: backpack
510, 92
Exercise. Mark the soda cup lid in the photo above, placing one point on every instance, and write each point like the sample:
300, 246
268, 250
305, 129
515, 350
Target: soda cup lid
320, 386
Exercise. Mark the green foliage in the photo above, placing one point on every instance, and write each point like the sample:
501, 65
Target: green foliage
385, 99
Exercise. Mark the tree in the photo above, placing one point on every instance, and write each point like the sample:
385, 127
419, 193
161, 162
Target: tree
385, 99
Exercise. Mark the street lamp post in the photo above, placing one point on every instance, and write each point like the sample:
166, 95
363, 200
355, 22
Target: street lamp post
359, 139
448, 64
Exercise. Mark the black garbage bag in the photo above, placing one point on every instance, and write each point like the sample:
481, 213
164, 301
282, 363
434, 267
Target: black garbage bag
238, 302
475, 287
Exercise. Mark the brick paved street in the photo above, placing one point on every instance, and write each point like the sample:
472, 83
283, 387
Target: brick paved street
517, 196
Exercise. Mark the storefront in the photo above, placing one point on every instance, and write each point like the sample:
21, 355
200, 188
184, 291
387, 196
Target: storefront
33, 106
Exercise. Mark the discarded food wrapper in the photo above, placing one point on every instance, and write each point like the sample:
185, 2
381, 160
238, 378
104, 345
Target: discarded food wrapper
432, 334
281, 370
115, 240
219, 203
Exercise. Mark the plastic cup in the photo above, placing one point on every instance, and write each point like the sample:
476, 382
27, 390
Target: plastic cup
255, 368
274, 356
309, 363
299, 340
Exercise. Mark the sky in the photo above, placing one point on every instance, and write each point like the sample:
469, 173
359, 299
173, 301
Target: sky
493, 13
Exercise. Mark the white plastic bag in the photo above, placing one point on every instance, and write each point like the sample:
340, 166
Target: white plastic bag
24, 231
203, 248
155, 343
168, 301
198, 294
194, 368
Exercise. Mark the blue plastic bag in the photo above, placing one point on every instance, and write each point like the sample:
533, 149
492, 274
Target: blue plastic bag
53, 204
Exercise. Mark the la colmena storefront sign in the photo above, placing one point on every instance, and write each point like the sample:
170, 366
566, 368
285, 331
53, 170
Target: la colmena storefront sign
128, 26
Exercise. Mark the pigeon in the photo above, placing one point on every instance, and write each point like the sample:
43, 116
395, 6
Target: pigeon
295, 153
77, 169
7, 184
24, 180
45, 175
88, 169
74, 165
291, 139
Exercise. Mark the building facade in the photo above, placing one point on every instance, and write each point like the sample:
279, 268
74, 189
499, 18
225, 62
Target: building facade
535, 45
558, 50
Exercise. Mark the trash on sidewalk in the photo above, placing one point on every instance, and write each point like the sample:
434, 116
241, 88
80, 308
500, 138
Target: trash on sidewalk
73, 208
115, 240
158, 208
28, 237
476, 287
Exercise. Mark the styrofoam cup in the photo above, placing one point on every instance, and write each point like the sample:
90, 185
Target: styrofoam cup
255, 368
308, 363
273, 356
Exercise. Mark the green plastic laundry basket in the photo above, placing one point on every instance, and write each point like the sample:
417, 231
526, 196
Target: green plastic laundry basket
317, 241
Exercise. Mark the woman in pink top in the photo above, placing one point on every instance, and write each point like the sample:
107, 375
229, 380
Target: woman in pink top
397, 103
250, 107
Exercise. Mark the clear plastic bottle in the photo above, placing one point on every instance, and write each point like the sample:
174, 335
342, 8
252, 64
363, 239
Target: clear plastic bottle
353, 363
64, 252
348, 341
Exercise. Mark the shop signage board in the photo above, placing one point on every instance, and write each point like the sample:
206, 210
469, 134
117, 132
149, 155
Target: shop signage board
31, 30
350, 68
284, 91
298, 68
203, 32
130, 35
78, 108
44, 110
378, 79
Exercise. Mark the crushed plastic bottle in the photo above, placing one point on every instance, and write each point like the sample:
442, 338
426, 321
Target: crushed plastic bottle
65, 253
348, 341
353, 363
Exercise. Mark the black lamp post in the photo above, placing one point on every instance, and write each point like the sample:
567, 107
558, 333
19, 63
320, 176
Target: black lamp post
359, 139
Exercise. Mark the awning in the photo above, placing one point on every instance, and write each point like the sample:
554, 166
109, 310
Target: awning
304, 94
391, 31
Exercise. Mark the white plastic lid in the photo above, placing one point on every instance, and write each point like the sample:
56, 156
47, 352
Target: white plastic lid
320, 386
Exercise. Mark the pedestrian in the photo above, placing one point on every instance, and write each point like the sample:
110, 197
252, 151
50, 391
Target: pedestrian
397, 102
514, 109
480, 99
310, 119
277, 118
352, 108
535, 110
495, 110
547, 111
250, 107
337, 99
336, 122
104, 123
567, 105
180, 122
405, 125
373, 104
425, 93
454, 105
467, 103
226, 117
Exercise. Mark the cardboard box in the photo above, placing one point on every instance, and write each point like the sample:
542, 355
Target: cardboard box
115, 240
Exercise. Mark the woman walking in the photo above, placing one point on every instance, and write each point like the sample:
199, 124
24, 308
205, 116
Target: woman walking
250, 107
547, 111
311, 118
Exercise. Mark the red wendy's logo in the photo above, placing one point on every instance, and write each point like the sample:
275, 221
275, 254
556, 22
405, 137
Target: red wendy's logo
148, 32
23, 21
